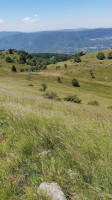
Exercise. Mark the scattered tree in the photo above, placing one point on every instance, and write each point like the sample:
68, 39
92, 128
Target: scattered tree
21, 69
100, 56
10, 51
65, 65
22, 59
31, 85
13, 69
44, 87
52, 96
81, 53
77, 59
92, 74
8, 59
75, 82
57, 67
74, 99
109, 56
59, 80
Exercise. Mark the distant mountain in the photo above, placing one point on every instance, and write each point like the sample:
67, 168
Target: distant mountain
62, 41
6, 33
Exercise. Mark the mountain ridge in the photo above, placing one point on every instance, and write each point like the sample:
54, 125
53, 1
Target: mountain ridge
58, 41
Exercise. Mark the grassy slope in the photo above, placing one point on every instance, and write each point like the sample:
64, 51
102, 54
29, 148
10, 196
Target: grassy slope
78, 137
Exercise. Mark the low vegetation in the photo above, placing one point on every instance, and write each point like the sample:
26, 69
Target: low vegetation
93, 103
56, 135
73, 99
52, 96
44, 87
75, 83
100, 56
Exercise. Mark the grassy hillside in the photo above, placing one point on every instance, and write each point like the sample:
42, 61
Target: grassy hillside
49, 141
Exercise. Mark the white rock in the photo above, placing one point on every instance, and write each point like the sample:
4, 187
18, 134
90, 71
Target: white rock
52, 191
44, 153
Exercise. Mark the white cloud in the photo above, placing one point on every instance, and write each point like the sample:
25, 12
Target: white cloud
36, 15
1, 21
30, 20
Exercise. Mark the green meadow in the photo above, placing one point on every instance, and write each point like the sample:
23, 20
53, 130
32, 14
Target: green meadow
43, 140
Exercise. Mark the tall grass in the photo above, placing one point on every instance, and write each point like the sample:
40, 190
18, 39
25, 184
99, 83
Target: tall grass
44, 140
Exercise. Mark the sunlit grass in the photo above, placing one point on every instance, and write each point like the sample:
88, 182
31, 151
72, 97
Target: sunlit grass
49, 141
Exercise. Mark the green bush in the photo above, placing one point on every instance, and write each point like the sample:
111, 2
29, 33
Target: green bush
57, 67
22, 59
32, 69
52, 96
10, 51
75, 83
13, 69
21, 70
92, 74
8, 59
59, 80
100, 56
44, 67
44, 87
94, 103
74, 99
77, 59
65, 65
109, 56
30, 85
81, 53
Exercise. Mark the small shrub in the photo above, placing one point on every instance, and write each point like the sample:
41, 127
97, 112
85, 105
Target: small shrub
59, 80
21, 70
2, 56
109, 56
26, 69
14, 57
75, 83
57, 67
44, 67
44, 87
92, 74
74, 99
93, 103
52, 96
13, 69
22, 59
32, 69
100, 56
81, 53
10, 51
8, 59
30, 85
65, 66
77, 59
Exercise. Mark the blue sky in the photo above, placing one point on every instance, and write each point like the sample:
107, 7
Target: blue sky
39, 15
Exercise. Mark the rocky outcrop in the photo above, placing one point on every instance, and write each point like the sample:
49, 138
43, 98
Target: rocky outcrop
51, 190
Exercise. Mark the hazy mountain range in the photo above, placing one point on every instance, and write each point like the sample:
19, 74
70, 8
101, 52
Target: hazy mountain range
62, 41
